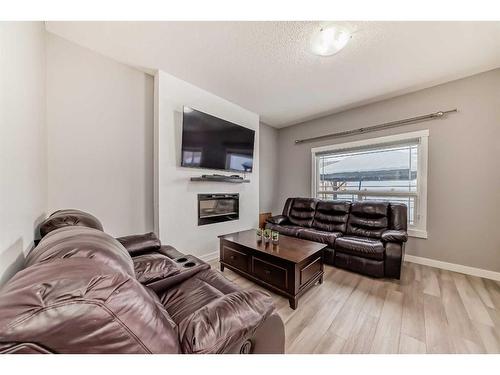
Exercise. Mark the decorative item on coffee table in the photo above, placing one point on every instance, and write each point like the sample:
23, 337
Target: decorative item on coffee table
275, 237
267, 236
258, 233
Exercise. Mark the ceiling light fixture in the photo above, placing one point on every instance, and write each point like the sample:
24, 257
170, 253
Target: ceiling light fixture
329, 40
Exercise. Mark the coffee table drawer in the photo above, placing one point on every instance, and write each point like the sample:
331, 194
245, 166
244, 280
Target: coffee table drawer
270, 273
309, 271
235, 258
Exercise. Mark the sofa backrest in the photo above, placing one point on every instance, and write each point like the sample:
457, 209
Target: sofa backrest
302, 211
362, 218
82, 242
398, 216
331, 216
80, 305
288, 206
68, 217
368, 219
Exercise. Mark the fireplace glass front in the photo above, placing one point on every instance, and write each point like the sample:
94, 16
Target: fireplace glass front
216, 208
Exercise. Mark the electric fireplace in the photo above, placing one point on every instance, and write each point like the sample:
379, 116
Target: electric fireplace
216, 208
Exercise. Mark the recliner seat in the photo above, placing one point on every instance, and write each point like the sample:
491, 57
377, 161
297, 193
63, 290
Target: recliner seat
320, 236
361, 246
82, 291
365, 236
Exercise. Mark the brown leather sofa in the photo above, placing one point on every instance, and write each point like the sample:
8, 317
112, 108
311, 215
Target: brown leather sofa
82, 291
366, 236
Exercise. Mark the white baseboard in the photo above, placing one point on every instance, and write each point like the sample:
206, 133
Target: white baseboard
210, 256
487, 274
454, 267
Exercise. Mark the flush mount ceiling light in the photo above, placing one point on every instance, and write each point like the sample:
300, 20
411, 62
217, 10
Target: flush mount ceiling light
329, 40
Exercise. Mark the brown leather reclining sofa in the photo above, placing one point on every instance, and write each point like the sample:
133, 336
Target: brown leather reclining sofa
366, 237
83, 291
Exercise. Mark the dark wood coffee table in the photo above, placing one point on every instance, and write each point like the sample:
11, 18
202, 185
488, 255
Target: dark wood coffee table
289, 268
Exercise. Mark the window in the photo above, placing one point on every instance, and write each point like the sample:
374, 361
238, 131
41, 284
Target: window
191, 158
391, 169
238, 162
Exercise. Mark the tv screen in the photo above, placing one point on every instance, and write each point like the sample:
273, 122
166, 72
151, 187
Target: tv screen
213, 143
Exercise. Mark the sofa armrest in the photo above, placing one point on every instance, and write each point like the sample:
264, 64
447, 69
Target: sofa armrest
170, 251
394, 254
278, 219
395, 236
160, 273
220, 324
269, 337
140, 243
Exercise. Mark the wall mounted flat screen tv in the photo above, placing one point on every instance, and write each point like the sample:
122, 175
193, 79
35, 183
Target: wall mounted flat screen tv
213, 143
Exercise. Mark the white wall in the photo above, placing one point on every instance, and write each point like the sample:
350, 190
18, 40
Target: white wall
176, 195
100, 137
268, 177
23, 161
463, 177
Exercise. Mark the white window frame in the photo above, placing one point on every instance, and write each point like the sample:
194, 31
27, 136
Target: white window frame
418, 230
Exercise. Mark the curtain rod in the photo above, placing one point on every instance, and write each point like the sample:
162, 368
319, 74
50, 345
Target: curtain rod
385, 125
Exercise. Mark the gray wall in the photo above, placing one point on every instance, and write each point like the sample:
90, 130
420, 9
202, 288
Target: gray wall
463, 223
23, 152
100, 137
268, 181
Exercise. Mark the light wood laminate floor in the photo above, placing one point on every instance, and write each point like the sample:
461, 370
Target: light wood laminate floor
428, 311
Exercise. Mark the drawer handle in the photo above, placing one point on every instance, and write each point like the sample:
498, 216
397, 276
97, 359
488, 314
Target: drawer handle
267, 272
231, 257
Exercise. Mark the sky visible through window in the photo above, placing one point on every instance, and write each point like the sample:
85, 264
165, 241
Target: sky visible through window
240, 162
361, 175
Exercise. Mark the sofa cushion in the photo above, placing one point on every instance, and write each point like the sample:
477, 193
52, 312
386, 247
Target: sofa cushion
302, 211
368, 219
153, 267
331, 216
184, 299
360, 246
287, 230
82, 242
320, 236
213, 313
78, 305
69, 217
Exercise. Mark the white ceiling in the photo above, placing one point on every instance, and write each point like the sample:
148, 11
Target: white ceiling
267, 68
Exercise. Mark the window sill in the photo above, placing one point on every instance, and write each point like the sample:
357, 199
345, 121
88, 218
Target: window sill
417, 233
